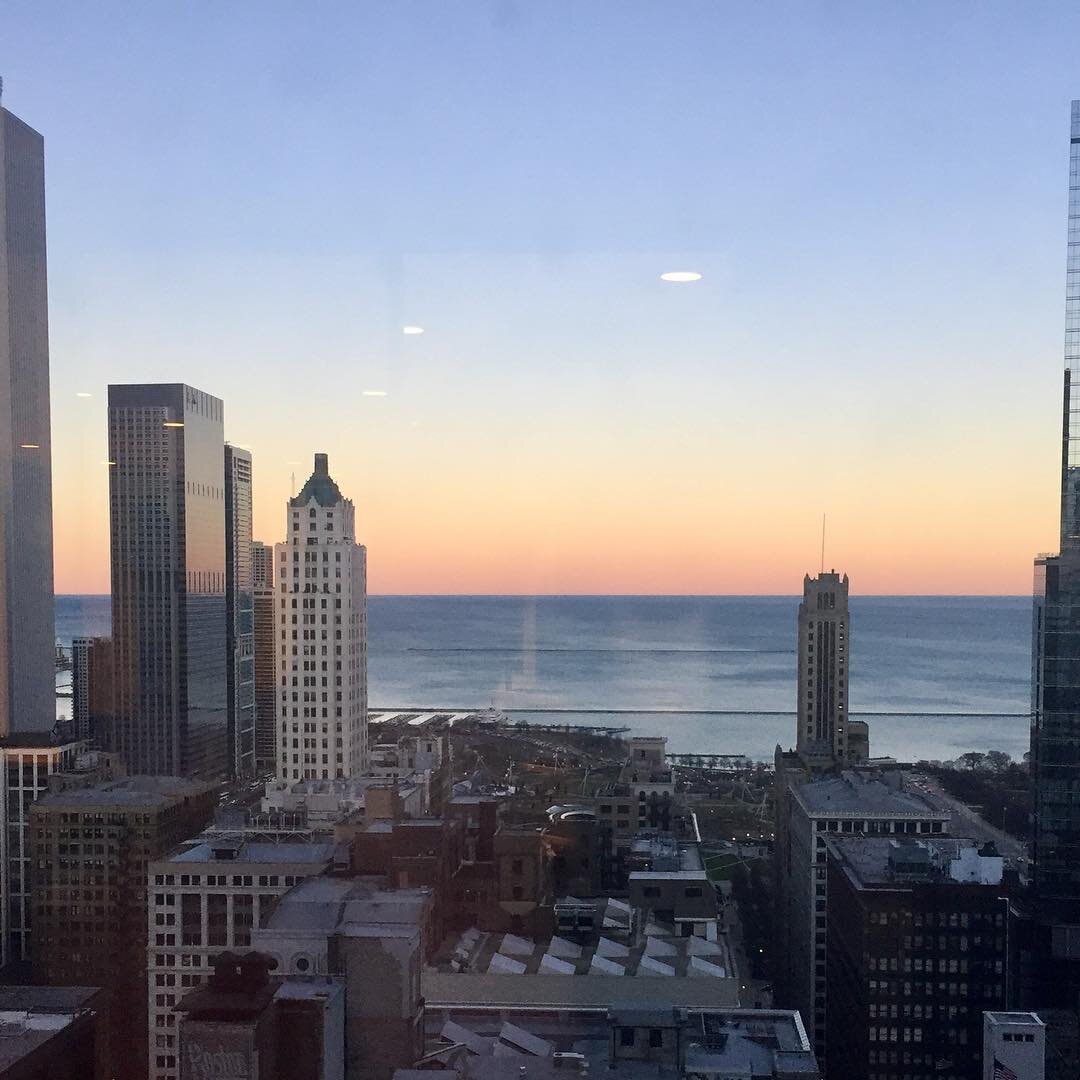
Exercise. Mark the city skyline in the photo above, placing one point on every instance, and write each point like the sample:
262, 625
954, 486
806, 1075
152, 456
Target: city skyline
571, 422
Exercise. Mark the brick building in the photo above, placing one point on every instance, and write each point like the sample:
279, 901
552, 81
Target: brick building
916, 954
91, 847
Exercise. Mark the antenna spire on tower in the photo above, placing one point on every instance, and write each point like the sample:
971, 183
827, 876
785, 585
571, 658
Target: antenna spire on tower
823, 543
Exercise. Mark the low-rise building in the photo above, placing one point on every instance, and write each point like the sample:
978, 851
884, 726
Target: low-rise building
412, 852
478, 816
328, 802
1013, 1043
53, 1033
208, 897
668, 883
580, 845
647, 1041
523, 898
246, 1023
421, 756
374, 939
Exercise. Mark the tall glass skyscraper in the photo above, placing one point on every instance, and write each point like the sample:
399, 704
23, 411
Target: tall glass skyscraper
167, 531
239, 597
27, 680
1055, 683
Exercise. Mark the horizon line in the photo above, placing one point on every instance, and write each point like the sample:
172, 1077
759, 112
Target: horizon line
649, 596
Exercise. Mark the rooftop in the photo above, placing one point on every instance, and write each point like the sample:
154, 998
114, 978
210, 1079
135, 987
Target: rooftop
326, 905
1028, 1018
494, 1043
31, 1015
238, 853
591, 989
662, 855
853, 792
128, 791
309, 988
883, 860
34, 740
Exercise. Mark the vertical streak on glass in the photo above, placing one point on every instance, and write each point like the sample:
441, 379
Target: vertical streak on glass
1070, 465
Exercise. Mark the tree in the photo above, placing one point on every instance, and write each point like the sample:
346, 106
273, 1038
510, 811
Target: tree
998, 760
973, 759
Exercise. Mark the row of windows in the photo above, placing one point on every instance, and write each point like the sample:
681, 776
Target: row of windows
875, 827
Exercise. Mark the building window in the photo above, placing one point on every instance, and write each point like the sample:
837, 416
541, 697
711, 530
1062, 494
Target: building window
626, 1036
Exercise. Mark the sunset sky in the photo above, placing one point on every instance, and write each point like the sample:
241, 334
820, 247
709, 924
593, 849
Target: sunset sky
255, 198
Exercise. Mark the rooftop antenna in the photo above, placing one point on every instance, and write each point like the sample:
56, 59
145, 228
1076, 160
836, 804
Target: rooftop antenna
823, 542
292, 484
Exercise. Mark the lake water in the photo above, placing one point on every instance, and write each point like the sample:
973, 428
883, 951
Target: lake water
934, 676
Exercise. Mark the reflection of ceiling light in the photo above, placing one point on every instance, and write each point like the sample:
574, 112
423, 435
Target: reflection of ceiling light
29, 446
174, 423
108, 463
412, 330
83, 393
681, 275
374, 393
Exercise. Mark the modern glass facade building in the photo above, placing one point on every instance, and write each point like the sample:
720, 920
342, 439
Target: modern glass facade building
262, 567
167, 532
1055, 683
27, 682
239, 596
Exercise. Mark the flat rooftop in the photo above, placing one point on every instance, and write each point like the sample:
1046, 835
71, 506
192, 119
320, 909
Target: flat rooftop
34, 740
310, 988
884, 860
32, 1015
856, 793
128, 791
339, 788
248, 852
1028, 1018
594, 991
46, 998
326, 905
503, 1043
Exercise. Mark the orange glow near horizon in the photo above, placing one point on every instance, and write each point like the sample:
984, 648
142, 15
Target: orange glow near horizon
590, 514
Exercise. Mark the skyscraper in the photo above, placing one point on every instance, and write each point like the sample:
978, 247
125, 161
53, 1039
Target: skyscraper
167, 531
823, 667
239, 607
262, 567
26, 763
91, 686
322, 635
1055, 683
27, 681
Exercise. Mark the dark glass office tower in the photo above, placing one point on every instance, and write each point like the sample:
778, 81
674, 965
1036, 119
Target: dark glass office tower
239, 606
1055, 683
27, 672
167, 529
262, 569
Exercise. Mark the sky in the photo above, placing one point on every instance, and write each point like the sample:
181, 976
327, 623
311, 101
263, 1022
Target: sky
255, 198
